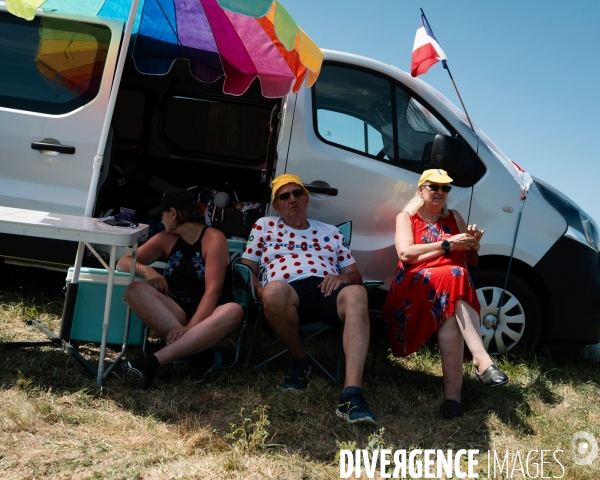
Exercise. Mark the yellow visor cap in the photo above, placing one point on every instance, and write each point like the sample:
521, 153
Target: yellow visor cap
434, 175
284, 179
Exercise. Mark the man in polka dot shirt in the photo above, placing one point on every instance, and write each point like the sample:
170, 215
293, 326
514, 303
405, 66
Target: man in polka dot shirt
308, 274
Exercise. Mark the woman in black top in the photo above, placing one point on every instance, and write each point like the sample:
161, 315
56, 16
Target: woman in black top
190, 305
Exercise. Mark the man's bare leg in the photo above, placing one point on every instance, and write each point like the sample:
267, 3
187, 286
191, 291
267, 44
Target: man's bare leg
281, 301
354, 313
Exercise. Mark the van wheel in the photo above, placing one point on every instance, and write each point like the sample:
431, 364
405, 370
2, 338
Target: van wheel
519, 324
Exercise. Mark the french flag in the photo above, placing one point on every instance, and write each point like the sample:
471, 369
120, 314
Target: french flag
426, 50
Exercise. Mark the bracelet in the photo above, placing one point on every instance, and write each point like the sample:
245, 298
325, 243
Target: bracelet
475, 247
141, 274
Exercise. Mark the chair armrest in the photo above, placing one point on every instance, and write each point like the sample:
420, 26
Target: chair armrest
369, 284
244, 275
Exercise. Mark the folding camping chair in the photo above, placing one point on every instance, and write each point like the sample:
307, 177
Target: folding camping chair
309, 334
241, 297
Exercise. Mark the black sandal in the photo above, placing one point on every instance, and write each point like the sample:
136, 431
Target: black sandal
492, 376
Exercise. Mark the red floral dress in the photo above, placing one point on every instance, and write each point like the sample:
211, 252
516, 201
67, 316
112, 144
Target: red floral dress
423, 295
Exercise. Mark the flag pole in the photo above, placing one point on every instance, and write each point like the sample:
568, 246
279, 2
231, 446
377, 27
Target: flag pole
445, 64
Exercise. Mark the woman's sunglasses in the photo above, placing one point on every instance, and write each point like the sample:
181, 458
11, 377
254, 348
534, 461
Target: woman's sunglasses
286, 196
435, 188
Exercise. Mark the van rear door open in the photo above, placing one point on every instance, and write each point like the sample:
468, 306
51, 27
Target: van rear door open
55, 82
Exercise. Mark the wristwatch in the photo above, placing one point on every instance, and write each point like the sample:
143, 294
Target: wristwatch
446, 246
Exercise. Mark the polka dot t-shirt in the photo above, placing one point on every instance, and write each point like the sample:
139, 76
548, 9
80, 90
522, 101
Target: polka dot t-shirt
283, 253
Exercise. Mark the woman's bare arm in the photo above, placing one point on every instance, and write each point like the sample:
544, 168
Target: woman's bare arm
160, 244
216, 260
409, 252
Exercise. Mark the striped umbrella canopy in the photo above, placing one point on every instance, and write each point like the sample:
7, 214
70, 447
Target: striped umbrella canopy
237, 39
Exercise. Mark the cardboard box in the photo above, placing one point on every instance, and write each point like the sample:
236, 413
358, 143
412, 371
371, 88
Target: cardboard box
89, 308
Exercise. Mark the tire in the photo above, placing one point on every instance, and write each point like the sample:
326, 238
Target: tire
519, 325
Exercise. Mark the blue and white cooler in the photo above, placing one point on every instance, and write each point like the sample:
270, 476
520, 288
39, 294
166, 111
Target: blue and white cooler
89, 308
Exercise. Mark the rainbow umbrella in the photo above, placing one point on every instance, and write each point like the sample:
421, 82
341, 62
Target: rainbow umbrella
237, 39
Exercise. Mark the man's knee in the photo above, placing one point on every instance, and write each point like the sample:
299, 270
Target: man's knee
279, 295
353, 299
355, 295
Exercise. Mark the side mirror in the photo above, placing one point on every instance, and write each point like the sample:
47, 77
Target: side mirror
450, 154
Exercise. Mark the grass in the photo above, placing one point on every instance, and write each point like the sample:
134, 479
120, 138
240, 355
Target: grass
55, 422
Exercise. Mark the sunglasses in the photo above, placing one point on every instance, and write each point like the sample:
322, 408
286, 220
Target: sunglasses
435, 188
296, 193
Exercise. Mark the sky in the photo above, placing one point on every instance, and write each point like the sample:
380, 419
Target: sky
528, 71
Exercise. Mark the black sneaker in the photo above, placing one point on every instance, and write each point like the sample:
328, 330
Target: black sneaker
202, 365
297, 376
138, 376
353, 407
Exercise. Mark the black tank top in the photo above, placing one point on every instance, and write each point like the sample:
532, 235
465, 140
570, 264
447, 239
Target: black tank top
185, 271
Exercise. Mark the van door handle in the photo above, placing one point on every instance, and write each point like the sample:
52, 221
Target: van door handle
59, 148
324, 190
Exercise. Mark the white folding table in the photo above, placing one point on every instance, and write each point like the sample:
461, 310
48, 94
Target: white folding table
86, 231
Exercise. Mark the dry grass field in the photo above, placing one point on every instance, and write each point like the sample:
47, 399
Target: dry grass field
55, 423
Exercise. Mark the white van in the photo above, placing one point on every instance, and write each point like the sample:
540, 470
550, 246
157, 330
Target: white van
359, 139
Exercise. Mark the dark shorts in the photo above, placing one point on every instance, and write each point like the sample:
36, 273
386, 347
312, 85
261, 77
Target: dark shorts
190, 305
314, 306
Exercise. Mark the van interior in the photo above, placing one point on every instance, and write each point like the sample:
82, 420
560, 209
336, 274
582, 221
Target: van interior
175, 131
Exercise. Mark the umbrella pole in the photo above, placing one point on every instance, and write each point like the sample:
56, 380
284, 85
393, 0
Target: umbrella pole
89, 206
71, 294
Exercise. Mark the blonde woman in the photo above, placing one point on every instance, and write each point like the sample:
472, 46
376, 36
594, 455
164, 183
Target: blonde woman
432, 290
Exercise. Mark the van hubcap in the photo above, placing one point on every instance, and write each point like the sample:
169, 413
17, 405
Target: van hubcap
490, 321
500, 331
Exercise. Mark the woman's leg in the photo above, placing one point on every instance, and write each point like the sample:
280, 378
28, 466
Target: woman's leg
458, 329
451, 342
157, 311
468, 322
225, 319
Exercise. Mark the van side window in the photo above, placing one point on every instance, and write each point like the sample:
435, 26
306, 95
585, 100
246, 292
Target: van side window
417, 127
50, 65
349, 131
354, 110
366, 113
217, 127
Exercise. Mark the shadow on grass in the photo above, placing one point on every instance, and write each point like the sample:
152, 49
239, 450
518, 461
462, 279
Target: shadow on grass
405, 396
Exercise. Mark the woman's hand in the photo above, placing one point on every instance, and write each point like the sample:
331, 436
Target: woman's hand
156, 280
176, 334
475, 232
463, 241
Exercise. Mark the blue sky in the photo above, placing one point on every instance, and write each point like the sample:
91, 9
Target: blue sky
528, 71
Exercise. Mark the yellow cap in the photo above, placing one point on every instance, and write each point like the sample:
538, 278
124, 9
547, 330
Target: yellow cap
284, 179
434, 175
